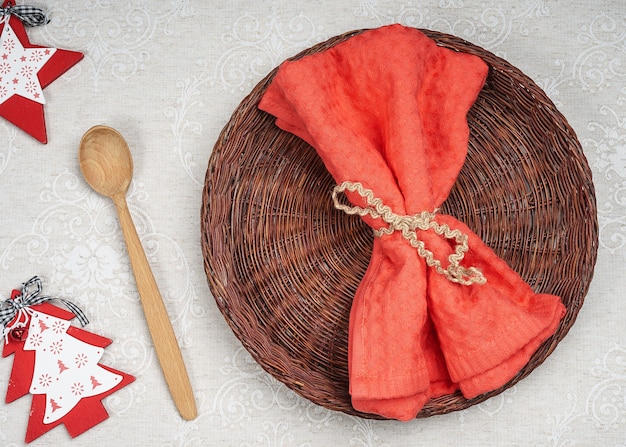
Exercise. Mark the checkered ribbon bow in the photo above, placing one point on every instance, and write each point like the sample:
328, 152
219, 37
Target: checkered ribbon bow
29, 15
16, 307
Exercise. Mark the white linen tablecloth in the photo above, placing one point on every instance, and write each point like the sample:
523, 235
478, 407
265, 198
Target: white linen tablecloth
168, 75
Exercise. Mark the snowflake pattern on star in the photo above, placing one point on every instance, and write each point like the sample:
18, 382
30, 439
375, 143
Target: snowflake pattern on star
8, 44
38, 55
27, 71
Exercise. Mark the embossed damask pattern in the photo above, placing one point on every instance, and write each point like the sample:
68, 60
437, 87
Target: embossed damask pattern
168, 74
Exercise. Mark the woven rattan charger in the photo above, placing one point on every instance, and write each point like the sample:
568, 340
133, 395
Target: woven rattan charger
283, 264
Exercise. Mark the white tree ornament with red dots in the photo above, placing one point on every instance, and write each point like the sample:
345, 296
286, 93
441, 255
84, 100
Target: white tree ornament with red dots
55, 362
66, 369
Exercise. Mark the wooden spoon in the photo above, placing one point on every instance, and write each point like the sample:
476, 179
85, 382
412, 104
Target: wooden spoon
107, 166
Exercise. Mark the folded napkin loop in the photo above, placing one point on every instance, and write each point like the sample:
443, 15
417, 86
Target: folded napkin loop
407, 225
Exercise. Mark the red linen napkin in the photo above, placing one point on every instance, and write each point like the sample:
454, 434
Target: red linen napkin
386, 111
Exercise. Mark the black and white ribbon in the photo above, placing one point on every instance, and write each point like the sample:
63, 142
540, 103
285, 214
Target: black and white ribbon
29, 15
31, 296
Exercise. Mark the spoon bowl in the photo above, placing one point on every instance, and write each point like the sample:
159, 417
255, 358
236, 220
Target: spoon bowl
105, 161
107, 166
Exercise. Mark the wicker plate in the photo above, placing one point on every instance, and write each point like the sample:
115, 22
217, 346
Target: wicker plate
283, 264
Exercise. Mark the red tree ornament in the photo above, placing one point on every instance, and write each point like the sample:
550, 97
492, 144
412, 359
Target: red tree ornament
26, 69
57, 363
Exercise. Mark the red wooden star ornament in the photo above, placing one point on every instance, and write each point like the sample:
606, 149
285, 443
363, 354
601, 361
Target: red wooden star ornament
26, 69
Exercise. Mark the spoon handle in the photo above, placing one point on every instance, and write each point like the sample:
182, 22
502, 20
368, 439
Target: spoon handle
159, 324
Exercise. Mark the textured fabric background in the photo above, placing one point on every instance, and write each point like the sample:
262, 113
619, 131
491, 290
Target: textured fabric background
168, 75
